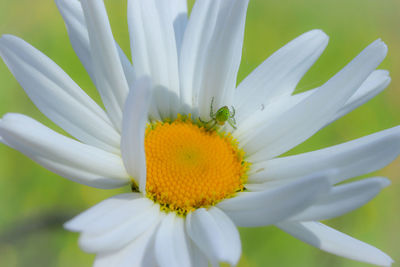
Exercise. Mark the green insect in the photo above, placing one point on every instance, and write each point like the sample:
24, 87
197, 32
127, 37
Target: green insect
221, 116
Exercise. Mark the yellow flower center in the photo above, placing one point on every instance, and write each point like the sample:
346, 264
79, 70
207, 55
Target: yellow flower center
189, 166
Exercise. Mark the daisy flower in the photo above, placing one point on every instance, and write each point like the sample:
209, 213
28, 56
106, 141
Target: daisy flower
200, 153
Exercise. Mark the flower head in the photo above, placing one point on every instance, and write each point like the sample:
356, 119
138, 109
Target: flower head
200, 153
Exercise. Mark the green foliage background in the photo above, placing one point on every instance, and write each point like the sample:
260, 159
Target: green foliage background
28, 192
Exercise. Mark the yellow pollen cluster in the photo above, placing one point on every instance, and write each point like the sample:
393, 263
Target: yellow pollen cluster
189, 167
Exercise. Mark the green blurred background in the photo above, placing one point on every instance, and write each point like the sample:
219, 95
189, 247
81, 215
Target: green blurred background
34, 201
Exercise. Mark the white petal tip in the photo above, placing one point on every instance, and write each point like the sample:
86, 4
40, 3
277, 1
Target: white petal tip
10, 117
8, 37
384, 77
383, 73
70, 226
7, 41
378, 258
318, 34
3, 37
380, 46
384, 182
384, 260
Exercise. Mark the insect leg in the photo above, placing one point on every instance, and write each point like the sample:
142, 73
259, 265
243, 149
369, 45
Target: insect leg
205, 122
212, 115
213, 125
233, 112
231, 123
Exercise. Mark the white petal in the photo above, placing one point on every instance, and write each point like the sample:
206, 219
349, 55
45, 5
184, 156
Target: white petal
57, 95
112, 219
72, 13
171, 245
354, 158
126, 66
69, 158
133, 255
306, 118
215, 234
335, 242
373, 85
81, 222
179, 12
3, 141
223, 56
342, 199
109, 75
154, 47
133, 130
198, 257
202, 19
279, 74
267, 113
376, 82
273, 205
211, 53
115, 229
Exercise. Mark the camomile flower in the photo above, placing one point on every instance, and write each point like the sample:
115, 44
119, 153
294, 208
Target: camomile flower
200, 153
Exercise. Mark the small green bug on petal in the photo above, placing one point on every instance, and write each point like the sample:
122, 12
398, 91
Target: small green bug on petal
220, 117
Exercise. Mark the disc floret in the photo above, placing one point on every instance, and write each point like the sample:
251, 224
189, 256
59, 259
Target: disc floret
190, 166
